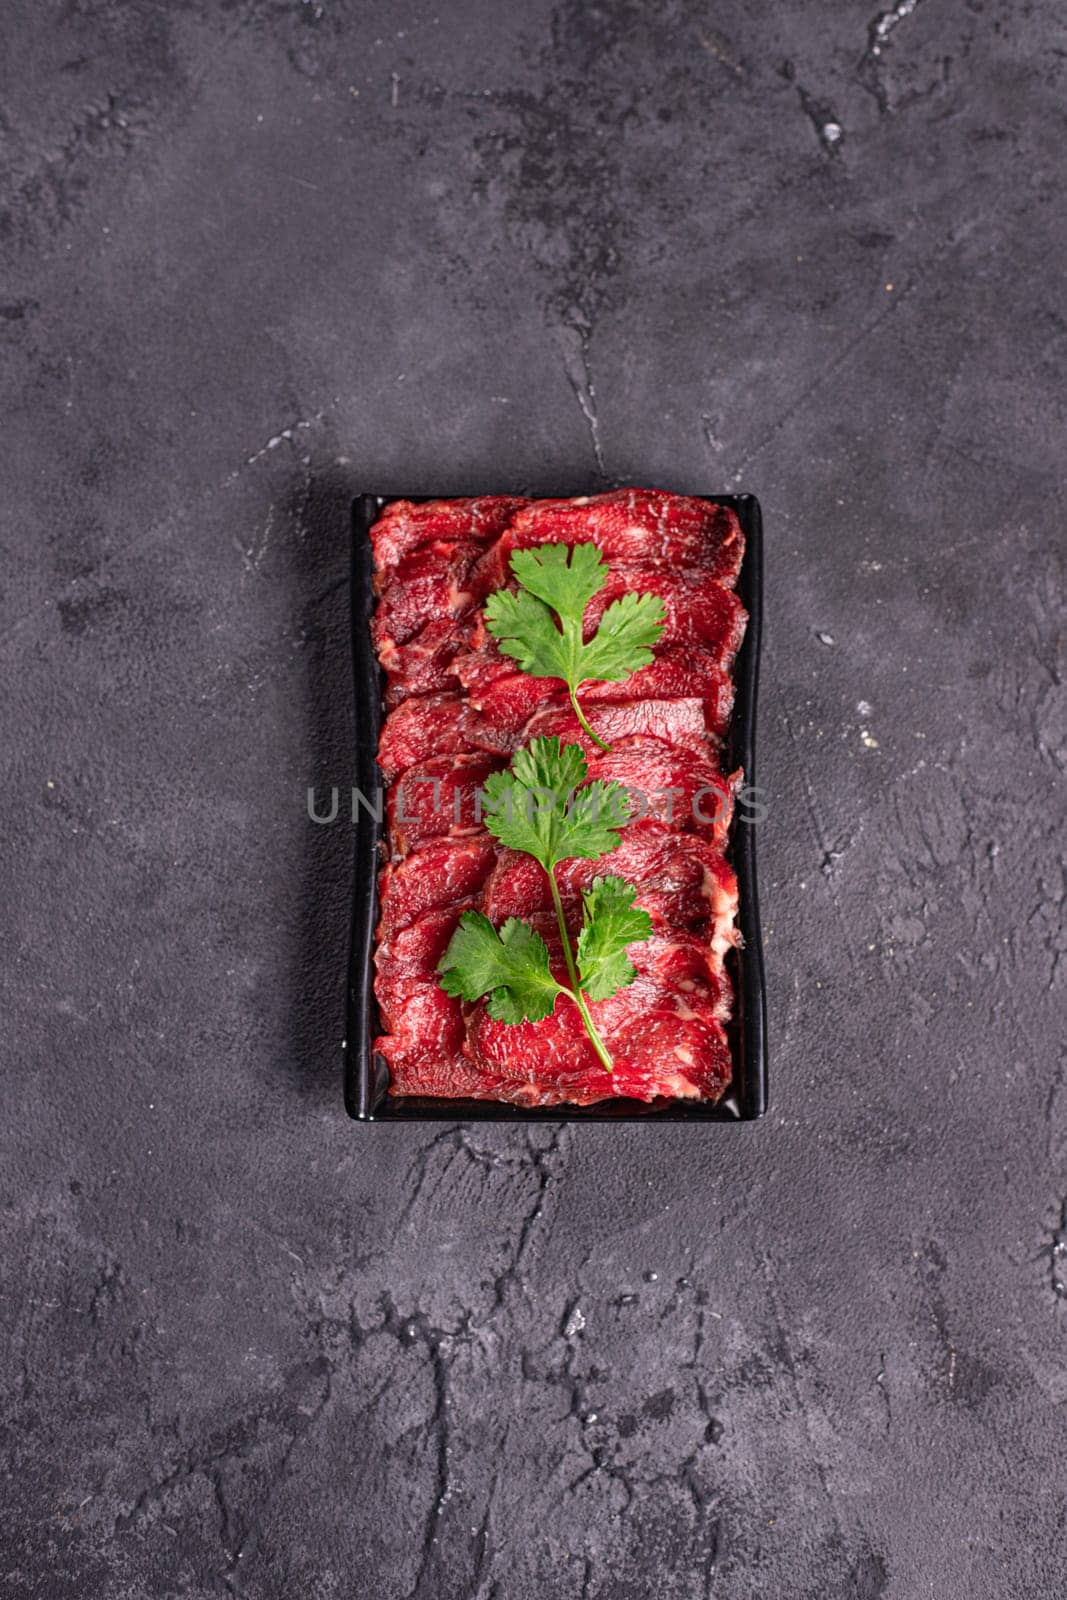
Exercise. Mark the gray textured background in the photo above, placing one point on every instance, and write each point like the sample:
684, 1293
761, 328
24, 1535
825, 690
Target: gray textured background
256, 256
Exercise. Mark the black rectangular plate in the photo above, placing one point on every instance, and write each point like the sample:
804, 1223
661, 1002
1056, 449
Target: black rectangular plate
366, 1078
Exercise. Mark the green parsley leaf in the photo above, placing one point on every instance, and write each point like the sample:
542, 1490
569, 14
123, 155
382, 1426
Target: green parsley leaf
534, 807
540, 627
610, 922
564, 577
539, 807
511, 967
622, 643
528, 632
545, 763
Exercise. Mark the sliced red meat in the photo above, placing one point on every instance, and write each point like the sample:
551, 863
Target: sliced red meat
682, 881
407, 525
517, 887
663, 1043
413, 1071
425, 665
444, 724
437, 799
493, 681
645, 527
506, 698
415, 952
681, 1056
702, 632
682, 964
670, 786
677, 723
445, 874
527, 1063
425, 587
420, 1017
424, 726
676, 672
420, 1022
423, 1031
699, 610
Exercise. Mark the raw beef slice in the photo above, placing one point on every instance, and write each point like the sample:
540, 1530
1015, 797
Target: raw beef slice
644, 527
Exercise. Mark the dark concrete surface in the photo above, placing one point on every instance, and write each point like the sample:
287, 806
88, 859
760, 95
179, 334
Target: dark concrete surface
257, 256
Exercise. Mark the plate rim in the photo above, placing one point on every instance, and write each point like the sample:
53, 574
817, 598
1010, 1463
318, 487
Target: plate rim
365, 1077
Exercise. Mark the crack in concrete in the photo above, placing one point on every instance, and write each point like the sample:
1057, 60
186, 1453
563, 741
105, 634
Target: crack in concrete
713, 1429
286, 435
541, 1155
1054, 1091
879, 35
249, 1540
109, 123
708, 1532
1056, 1251
802, 1406
824, 120
883, 1390
481, 1540
837, 360
416, 1327
458, 1141
821, 838
708, 426
821, 115
580, 377
633, 1478
421, 1167
210, 1465
239, 1534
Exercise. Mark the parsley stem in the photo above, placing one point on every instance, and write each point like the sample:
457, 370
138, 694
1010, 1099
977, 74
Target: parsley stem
572, 971
580, 714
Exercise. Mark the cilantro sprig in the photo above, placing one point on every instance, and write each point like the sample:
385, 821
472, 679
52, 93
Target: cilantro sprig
537, 807
540, 626
511, 967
